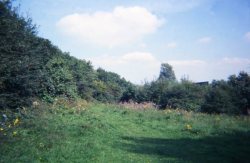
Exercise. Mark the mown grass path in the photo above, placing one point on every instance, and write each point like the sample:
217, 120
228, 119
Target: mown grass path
107, 133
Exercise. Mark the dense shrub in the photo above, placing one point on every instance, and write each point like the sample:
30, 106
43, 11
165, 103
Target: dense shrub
184, 95
232, 96
32, 67
220, 99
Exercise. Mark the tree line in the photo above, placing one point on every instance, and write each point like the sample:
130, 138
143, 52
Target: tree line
32, 68
231, 96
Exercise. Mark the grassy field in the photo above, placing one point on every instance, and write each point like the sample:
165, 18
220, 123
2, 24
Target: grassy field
108, 133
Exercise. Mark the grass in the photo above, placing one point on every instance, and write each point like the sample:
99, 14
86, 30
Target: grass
109, 133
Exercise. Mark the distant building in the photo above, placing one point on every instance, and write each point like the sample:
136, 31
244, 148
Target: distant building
202, 83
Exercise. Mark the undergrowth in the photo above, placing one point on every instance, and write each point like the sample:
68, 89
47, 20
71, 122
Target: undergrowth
82, 132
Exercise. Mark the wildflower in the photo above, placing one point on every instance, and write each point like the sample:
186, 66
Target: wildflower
16, 121
14, 133
35, 104
188, 127
168, 111
41, 145
9, 125
1, 129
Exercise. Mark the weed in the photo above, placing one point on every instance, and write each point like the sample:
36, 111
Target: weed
82, 132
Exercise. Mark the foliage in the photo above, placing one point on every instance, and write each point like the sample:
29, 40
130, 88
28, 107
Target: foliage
219, 99
31, 67
185, 95
232, 96
21, 72
168, 94
109, 86
167, 72
61, 77
241, 88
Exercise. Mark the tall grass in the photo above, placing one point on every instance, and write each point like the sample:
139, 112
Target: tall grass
82, 132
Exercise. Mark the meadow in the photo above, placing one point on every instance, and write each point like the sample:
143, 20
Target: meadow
112, 133
45, 116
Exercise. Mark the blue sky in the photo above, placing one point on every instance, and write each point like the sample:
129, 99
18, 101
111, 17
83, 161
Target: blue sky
201, 39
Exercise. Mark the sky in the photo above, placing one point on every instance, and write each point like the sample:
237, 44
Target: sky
202, 39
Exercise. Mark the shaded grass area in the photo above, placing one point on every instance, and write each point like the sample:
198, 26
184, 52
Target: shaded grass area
108, 133
226, 148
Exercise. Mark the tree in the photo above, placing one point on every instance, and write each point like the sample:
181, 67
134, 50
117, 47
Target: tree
241, 87
167, 72
220, 99
32, 67
231, 97
129, 94
185, 95
20, 75
114, 86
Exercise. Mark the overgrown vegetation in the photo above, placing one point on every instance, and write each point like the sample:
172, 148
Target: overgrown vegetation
54, 108
82, 132
230, 97
32, 68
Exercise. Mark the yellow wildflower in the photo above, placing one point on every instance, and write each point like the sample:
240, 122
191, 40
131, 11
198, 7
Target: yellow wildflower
189, 127
16, 122
14, 133
1, 129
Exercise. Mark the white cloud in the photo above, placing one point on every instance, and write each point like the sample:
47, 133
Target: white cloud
122, 25
205, 40
134, 66
187, 62
138, 66
138, 56
194, 69
200, 70
142, 45
172, 45
235, 61
247, 36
